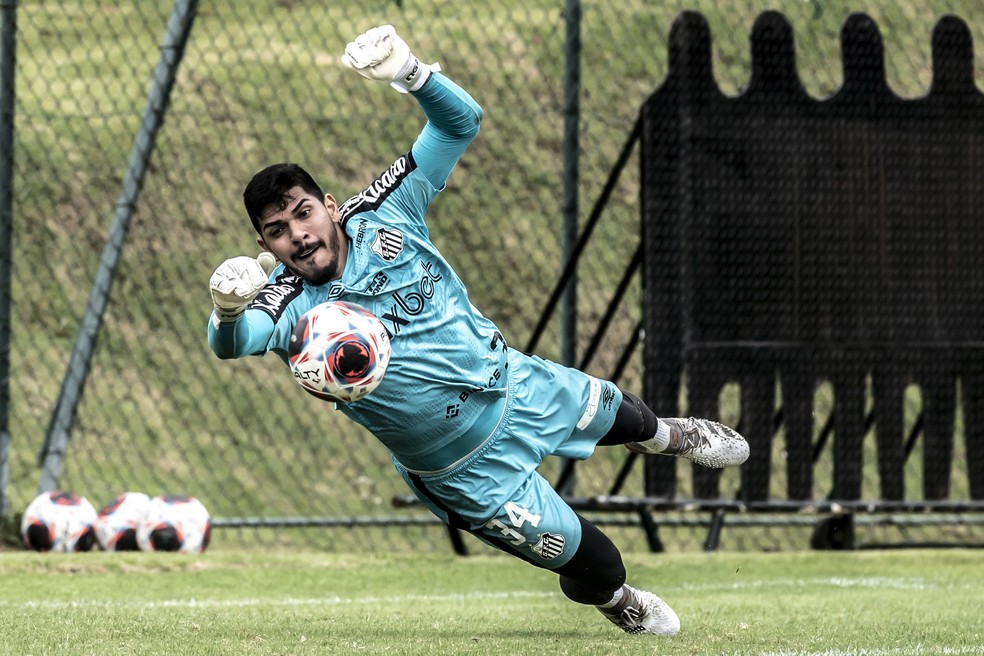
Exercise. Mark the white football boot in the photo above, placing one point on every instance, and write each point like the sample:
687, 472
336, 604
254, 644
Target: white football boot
642, 612
703, 441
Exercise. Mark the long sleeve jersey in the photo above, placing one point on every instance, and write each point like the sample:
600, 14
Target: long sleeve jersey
447, 373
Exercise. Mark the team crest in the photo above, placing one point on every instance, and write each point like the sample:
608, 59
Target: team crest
549, 546
388, 244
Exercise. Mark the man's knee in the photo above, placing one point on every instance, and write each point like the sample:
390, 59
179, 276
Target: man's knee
595, 571
634, 422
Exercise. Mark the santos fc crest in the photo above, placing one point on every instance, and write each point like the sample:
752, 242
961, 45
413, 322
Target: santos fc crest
550, 545
388, 244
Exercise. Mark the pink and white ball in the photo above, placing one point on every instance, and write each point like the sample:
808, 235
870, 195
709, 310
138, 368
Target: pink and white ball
59, 521
117, 523
175, 523
339, 351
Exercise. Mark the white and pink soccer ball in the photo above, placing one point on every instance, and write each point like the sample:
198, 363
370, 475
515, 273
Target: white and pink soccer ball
175, 523
118, 521
339, 351
59, 521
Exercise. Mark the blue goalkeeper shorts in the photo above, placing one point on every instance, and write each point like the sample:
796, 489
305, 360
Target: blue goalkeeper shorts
496, 493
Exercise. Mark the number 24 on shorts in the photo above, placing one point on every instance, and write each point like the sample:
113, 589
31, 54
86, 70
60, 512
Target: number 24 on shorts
518, 517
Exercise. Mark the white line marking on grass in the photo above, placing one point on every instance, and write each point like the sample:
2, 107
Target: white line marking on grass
917, 650
289, 601
903, 583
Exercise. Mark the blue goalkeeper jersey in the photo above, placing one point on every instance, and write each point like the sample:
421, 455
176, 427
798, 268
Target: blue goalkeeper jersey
447, 374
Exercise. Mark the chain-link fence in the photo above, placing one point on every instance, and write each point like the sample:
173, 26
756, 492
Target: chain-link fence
260, 81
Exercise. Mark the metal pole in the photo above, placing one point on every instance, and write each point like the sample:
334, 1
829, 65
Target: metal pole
56, 440
569, 204
571, 148
8, 57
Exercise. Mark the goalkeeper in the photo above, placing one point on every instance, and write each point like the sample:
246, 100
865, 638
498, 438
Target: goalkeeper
466, 418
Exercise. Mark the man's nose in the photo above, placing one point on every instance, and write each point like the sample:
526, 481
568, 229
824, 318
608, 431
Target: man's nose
297, 231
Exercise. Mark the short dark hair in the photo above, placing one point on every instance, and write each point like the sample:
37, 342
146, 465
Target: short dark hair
269, 186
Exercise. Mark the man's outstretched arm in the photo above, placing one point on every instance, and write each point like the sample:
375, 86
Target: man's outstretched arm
453, 116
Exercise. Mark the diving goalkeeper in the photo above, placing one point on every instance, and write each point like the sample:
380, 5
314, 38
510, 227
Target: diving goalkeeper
466, 418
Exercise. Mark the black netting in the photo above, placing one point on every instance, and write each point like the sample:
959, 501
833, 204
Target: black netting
798, 244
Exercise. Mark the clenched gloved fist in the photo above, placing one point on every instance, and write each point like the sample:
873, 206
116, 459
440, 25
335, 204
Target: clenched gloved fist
237, 281
380, 54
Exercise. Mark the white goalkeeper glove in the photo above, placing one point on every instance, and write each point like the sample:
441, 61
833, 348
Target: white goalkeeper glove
380, 54
237, 281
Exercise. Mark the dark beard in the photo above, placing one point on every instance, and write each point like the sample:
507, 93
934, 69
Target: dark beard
327, 274
330, 272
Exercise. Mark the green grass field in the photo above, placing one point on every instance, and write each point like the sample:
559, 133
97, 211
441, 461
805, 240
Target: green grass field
247, 602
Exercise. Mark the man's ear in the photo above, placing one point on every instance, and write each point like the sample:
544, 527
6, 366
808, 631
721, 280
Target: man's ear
332, 207
262, 244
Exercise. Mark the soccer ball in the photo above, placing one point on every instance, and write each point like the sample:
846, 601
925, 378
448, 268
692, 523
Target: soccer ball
175, 523
339, 351
59, 521
116, 525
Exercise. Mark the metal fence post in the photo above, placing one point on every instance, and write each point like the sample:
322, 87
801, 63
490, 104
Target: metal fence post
8, 57
569, 203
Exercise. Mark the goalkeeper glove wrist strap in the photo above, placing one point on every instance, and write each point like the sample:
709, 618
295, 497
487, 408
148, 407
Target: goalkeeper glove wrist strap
413, 75
228, 315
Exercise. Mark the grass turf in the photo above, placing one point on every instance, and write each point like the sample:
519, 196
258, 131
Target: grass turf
247, 602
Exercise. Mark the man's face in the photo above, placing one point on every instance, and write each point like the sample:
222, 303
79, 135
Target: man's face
305, 234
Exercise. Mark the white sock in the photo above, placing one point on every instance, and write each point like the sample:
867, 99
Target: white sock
661, 439
615, 599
